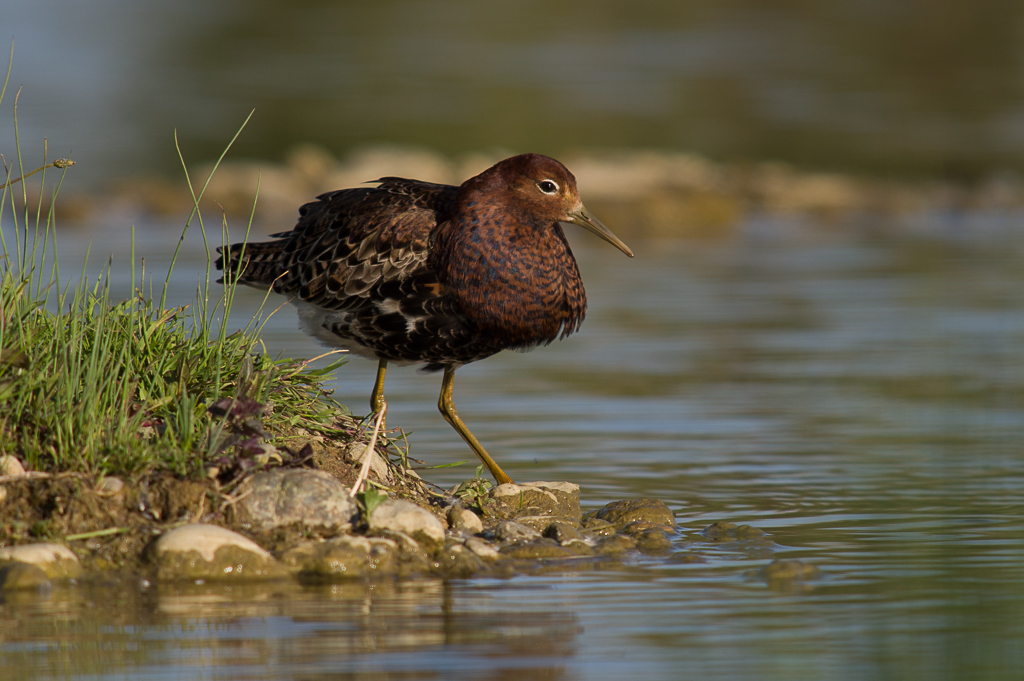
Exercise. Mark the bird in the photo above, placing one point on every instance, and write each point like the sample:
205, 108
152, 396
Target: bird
412, 272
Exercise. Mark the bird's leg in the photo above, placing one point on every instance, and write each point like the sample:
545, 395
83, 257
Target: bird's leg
377, 403
447, 407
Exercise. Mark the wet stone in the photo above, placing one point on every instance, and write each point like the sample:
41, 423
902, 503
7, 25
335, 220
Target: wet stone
626, 511
19, 576
534, 499
653, 541
641, 526
511, 531
540, 522
618, 543
562, 533
457, 561
595, 527
404, 516
723, 532
344, 557
56, 560
536, 550
310, 498
482, 549
788, 570
462, 519
209, 552
687, 558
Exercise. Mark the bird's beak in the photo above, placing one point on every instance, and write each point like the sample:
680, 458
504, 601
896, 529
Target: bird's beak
584, 219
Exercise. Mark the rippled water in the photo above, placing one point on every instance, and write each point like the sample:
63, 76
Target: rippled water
859, 397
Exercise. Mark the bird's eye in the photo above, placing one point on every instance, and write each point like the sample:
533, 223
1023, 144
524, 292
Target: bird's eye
548, 187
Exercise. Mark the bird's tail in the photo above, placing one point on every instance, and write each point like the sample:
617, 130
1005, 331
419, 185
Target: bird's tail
252, 264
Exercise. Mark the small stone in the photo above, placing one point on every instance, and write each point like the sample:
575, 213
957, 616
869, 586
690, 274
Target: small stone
3, 494
782, 570
595, 527
621, 513
511, 531
211, 552
463, 519
640, 526
56, 560
482, 549
563, 533
456, 561
341, 557
615, 544
378, 467
9, 465
536, 549
110, 486
534, 498
404, 516
653, 541
722, 532
311, 498
541, 522
17, 575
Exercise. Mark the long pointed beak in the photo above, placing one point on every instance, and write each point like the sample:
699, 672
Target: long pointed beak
584, 219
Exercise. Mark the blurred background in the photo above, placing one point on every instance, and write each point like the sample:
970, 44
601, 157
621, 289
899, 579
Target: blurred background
905, 89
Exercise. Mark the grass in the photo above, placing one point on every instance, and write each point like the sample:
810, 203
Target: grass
95, 385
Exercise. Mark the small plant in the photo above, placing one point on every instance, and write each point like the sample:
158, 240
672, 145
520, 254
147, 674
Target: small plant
473, 491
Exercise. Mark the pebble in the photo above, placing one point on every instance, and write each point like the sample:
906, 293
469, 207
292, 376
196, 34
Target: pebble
461, 518
56, 560
653, 541
18, 576
340, 557
9, 465
110, 485
482, 549
563, 533
615, 544
536, 549
314, 499
211, 552
511, 531
404, 516
459, 562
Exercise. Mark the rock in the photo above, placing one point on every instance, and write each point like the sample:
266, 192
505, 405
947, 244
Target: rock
781, 570
461, 518
16, 575
282, 497
110, 486
641, 526
378, 467
211, 552
687, 558
482, 549
563, 533
511, 531
653, 541
56, 560
536, 549
341, 557
595, 527
3, 494
541, 522
533, 498
618, 543
404, 516
9, 465
722, 532
456, 561
622, 513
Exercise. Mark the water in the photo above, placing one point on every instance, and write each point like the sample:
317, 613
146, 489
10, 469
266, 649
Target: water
857, 396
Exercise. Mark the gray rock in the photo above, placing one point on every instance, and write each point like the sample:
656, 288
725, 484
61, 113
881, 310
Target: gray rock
541, 522
404, 516
56, 560
595, 527
110, 486
461, 518
563, 533
18, 576
456, 561
511, 531
312, 498
482, 549
209, 552
343, 557
622, 513
534, 499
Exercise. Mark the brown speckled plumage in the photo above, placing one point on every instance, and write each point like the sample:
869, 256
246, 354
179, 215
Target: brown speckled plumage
414, 272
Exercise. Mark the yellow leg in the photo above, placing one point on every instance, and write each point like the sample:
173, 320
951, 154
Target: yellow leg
377, 403
447, 407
